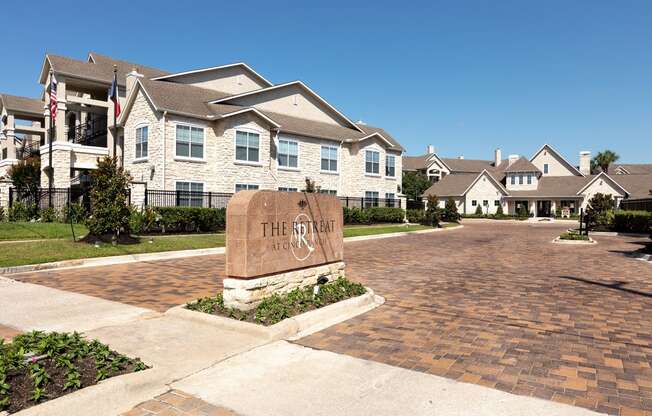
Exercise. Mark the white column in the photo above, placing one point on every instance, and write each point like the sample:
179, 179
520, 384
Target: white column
11, 136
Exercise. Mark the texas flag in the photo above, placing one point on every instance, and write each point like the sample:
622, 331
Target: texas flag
113, 94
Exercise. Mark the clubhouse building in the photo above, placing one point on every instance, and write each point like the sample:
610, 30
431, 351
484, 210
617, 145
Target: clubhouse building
545, 183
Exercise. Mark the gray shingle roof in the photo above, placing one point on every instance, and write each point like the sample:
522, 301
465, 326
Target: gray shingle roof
451, 185
638, 186
632, 168
468, 165
522, 165
371, 129
25, 105
412, 163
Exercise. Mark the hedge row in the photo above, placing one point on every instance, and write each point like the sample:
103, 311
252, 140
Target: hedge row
177, 220
373, 215
633, 221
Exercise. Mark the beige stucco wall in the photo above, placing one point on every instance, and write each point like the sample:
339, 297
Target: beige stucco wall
555, 165
356, 182
292, 101
232, 80
524, 186
483, 189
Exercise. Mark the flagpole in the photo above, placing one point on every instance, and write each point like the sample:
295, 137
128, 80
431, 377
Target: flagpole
50, 168
115, 125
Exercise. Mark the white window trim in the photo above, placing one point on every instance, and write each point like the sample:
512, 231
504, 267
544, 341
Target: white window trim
246, 184
136, 127
375, 175
235, 146
337, 153
190, 158
387, 155
288, 168
203, 186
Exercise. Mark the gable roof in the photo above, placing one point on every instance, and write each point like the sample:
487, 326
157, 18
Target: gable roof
243, 65
522, 165
564, 161
451, 185
412, 163
290, 84
603, 176
632, 168
24, 105
467, 165
371, 130
98, 68
496, 182
638, 186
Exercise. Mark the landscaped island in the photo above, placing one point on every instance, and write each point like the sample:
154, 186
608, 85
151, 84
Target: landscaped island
37, 366
276, 308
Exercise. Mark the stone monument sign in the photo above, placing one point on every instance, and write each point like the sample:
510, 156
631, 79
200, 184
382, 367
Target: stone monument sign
278, 241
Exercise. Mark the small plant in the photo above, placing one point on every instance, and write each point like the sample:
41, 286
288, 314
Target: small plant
522, 211
478, 210
450, 212
432, 216
109, 210
21, 212
48, 215
2, 214
74, 212
573, 235
499, 211
415, 216
599, 211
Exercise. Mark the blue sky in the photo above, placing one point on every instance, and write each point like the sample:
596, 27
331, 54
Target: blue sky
466, 76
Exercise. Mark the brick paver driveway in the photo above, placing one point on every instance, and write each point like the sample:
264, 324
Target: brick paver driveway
491, 304
499, 305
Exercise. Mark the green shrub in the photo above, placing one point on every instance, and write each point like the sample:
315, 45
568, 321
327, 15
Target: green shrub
415, 216
450, 212
633, 221
2, 214
108, 194
189, 219
478, 210
21, 212
74, 212
599, 211
499, 211
355, 216
48, 215
142, 221
432, 216
573, 235
522, 211
379, 215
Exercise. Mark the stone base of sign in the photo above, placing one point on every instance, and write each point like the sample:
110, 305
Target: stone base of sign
246, 294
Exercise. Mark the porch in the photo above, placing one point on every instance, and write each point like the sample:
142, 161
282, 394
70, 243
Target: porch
542, 207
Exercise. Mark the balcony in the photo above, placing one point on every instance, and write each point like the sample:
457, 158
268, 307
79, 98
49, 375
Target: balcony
91, 133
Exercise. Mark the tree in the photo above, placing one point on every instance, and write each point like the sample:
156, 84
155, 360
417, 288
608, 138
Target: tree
26, 179
599, 211
603, 159
499, 211
108, 195
522, 211
478, 210
433, 212
414, 185
450, 211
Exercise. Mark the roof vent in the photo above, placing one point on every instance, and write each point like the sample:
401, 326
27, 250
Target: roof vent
430, 149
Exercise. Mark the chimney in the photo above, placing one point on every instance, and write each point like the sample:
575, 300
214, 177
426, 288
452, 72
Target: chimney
512, 159
131, 79
585, 162
461, 157
498, 157
430, 149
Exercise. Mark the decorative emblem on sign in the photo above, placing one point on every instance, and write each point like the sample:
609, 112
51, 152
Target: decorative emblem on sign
302, 240
302, 204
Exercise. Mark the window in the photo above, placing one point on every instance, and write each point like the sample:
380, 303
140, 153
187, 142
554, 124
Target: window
496, 203
141, 142
513, 177
545, 168
389, 199
390, 165
485, 203
247, 146
244, 187
370, 199
190, 141
329, 158
328, 191
288, 153
520, 179
372, 162
529, 179
474, 203
284, 189
190, 194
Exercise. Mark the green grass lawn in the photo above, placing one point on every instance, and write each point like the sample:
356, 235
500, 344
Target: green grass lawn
37, 230
35, 252
17, 254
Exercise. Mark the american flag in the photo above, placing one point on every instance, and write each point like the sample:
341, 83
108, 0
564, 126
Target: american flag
113, 95
53, 98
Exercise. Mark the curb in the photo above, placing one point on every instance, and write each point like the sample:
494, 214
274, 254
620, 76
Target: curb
109, 397
112, 260
590, 242
291, 328
168, 255
642, 257
617, 234
399, 234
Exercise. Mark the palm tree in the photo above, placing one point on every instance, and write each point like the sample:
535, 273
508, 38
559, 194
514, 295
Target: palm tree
603, 160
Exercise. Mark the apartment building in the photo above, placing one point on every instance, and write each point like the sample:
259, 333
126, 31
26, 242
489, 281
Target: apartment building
212, 130
544, 184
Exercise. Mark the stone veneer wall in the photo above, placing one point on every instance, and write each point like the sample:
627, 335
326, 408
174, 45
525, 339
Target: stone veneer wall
247, 294
61, 164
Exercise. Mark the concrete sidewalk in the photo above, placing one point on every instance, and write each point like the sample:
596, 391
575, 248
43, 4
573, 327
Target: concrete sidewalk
289, 380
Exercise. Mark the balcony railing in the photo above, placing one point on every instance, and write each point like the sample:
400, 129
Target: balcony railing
91, 133
28, 150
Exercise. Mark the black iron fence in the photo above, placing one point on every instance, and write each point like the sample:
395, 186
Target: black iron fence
163, 198
637, 204
57, 198
91, 133
410, 204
